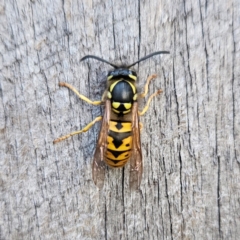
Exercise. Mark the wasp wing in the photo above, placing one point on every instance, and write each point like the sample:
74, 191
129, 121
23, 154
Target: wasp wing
98, 167
136, 167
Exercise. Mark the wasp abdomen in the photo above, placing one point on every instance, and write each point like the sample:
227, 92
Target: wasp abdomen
119, 143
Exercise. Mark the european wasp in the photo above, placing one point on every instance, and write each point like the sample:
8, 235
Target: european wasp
119, 138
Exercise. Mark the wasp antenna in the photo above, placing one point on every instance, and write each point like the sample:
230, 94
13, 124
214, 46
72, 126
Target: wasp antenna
99, 59
148, 56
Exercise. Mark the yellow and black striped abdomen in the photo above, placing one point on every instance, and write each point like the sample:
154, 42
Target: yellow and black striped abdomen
119, 143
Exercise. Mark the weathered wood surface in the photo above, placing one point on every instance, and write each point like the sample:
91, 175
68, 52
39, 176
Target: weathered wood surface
190, 142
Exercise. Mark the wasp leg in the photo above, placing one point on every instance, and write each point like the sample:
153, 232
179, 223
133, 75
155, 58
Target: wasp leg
63, 84
148, 102
140, 126
85, 129
146, 85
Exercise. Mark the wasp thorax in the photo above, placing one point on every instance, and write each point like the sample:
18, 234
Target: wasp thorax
122, 96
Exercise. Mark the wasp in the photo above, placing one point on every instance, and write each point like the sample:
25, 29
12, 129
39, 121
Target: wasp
119, 138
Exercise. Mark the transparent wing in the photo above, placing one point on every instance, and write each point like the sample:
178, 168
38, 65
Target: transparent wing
136, 167
98, 167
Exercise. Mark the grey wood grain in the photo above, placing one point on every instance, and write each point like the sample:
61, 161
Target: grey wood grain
190, 141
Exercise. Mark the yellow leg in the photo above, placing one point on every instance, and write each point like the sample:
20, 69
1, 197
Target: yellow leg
85, 129
148, 102
63, 84
146, 85
141, 126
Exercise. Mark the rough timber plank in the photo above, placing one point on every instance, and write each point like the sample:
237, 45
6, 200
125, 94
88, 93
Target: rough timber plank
191, 136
